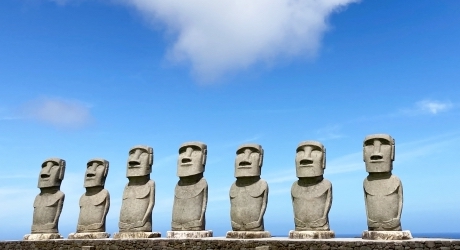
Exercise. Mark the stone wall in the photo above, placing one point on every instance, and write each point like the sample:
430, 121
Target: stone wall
222, 243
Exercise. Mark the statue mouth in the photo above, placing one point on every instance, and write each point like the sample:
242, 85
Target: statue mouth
244, 164
376, 158
90, 175
306, 163
44, 176
186, 162
134, 164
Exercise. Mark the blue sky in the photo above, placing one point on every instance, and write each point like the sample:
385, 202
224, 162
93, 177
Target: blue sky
83, 79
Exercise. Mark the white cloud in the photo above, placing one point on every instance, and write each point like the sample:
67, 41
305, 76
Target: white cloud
433, 107
217, 37
58, 112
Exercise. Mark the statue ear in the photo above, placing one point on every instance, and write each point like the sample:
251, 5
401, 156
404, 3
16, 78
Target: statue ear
261, 158
106, 169
393, 151
204, 156
150, 156
62, 170
324, 158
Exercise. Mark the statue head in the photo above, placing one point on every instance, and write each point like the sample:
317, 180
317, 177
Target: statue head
96, 172
248, 162
140, 161
379, 153
52, 173
310, 159
192, 159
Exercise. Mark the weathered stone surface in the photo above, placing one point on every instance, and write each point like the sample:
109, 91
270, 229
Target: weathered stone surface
96, 235
248, 234
188, 234
191, 192
311, 194
136, 235
387, 235
227, 243
311, 234
38, 236
383, 192
95, 202
48, 204
139, 193
249, 193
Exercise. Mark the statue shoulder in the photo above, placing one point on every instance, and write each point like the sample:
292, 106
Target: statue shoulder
190, 191
258, 188
144, 190
382, 187
49, 200
234, 190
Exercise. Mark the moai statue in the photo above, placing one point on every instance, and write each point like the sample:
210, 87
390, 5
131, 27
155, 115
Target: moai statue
191, 193
94, 203
311, 194
48, 204
138, 196
248, 194
383, 191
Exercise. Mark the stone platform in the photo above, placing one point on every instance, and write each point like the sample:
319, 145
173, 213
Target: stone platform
311, 234
96, 235
387, 235
274, 243
248, 234
51, 236
136, 235
188, 234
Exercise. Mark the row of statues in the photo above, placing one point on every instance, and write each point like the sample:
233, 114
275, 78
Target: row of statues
311, 195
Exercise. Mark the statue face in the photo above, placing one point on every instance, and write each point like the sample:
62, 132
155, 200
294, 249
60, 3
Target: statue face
192, 159
52, 173
96, 172
248, 160
310, 159
378, 153
140, 161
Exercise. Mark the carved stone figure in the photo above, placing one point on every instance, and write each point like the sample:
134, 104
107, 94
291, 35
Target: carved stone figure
48, 204
383, 191
94, 203
311, 194
248, 194
138, 196
191, 193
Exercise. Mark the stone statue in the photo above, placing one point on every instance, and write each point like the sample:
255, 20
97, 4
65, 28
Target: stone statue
48, 204
311, 194
383, 191
191, 193
138, 196
248, 194
94, 203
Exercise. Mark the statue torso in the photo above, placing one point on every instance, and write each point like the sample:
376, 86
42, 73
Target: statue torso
92, 210
247, 201
46, 207
188, 206
382, 200
311, 205
136, 200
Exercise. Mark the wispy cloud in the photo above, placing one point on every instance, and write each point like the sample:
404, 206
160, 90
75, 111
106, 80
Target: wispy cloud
329, 133
218, 37
58, 112
433, 107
